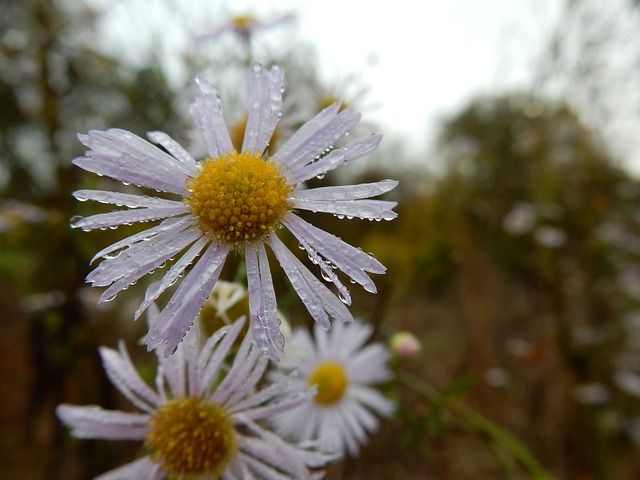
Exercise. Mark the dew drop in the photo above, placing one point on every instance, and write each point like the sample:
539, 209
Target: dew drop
342, 298
74, 220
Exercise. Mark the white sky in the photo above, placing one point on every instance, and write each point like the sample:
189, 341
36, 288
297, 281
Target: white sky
432, 56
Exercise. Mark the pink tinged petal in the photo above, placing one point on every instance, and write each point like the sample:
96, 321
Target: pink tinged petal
318, 299
267, 411
141, 469
265, 107
117, 265
172, 224
267, 447
243, 364
178, 316
173, 369
351, 260
316, 136
212, 356
264, 395
155, 289
340, 156
191, 351
326, 270
206, 111
346, 192
175, 149
95, 422
138, 261
265, 323
126, 157
125, 377
268, 461
127, 217
260, 469
248, 386
125, 199
364, 209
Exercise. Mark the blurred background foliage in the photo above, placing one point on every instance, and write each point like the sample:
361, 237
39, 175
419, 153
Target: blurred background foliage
515, 261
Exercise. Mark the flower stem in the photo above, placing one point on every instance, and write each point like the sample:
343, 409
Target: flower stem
481, 425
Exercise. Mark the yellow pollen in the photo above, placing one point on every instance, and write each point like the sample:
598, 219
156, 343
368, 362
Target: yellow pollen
239, 197
190, 437
331, 380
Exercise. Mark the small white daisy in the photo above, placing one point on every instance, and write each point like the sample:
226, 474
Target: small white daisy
231, 200
201, 421
343, 369
245, 25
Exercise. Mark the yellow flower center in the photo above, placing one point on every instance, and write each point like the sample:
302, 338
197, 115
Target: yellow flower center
243, 22
239, 196
190, 437
331, 380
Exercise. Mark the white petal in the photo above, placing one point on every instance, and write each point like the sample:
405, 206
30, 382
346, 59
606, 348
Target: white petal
126, 157
95, 422
245, 360
373, 399
178, 316
351, 260
206, 111
211, 365
365, 209
340, 156
125, 377
172, 224
127, 217
140, 259
175, 149
155, 289
141, 469
265, 323
265, 107
346, 192
124, 199
316, 136
318, 299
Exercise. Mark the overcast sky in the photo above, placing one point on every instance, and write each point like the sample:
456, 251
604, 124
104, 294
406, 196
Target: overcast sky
430, 57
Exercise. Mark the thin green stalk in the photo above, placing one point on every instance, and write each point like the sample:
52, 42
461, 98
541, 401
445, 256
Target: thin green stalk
481, 425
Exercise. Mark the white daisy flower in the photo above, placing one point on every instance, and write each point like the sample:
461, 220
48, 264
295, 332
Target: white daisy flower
201, 420
342, 411
232, 200
245, 25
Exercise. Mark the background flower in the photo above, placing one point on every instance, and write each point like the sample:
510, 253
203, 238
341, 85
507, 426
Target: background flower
202, 420
344, 370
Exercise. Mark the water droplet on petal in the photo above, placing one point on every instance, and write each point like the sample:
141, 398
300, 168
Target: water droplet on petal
342, 298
